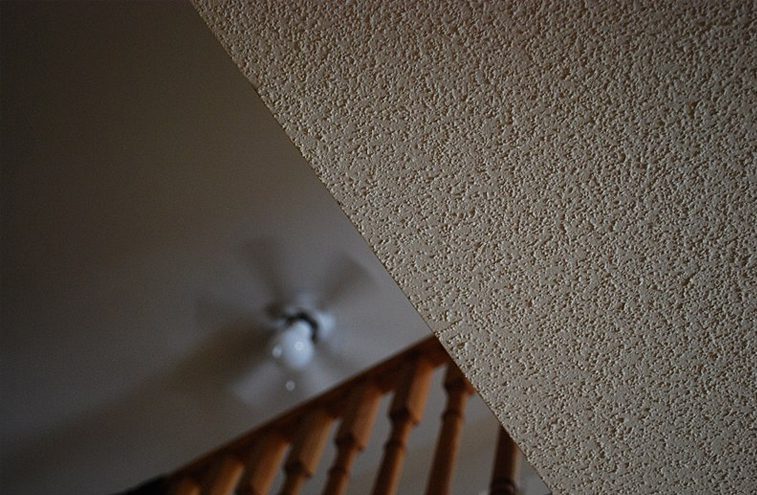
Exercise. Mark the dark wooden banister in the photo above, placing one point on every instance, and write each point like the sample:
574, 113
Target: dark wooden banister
248, 464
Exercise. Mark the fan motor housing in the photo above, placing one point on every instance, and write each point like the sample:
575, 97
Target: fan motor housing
320, 322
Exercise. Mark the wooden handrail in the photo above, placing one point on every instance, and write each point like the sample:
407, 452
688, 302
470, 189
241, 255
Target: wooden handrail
383, 375
249, 464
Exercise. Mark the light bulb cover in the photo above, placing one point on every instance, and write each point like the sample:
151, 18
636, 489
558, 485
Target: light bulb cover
293, 346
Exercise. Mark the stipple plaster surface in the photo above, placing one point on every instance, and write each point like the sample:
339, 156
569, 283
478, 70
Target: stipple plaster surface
566, 192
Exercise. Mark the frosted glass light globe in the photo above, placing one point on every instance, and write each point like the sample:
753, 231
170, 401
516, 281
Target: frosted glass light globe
293, 347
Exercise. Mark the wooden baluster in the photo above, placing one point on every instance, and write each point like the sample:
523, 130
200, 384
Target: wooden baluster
353, 435
187, 486
306, 451
265, 459
458, 391
506, 466
405, 412
226, 477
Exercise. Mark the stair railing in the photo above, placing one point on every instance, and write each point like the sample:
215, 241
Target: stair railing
294, 442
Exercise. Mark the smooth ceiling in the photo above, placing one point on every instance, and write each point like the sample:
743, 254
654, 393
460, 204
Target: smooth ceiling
566, 192
146, 194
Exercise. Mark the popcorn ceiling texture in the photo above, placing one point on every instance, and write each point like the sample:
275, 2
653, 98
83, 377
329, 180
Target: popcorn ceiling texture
566, 192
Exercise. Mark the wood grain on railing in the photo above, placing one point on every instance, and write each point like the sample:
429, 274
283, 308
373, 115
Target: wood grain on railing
405, 412
443, 466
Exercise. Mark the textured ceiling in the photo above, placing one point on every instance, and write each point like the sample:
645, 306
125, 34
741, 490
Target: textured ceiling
566, 192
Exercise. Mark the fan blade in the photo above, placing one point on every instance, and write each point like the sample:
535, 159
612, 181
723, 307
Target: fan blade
222, 358
342, 363
345, 279
213, 313
263, 379
265, 261
318, 377
280, 389
236, 338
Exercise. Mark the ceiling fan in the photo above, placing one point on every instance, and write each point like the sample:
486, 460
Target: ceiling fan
291, 338
299, 328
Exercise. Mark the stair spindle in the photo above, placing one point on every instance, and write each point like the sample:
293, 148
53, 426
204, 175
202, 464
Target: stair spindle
306, 451
506, 466
250, 463
187, 486
353, 435
265, 460
226, 477
405, 412
458, 391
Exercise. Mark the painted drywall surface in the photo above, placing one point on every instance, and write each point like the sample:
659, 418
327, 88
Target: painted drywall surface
141, 176
566, 191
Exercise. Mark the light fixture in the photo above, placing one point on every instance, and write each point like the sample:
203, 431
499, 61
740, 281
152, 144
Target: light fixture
293, 346
299, 330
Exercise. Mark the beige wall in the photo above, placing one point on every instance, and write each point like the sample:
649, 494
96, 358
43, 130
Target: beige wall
566, 191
